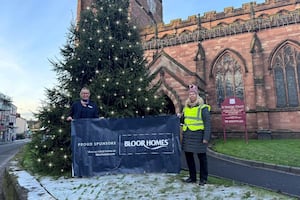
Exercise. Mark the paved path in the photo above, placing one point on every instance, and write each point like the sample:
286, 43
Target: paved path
253, 174
7, 151
275, 180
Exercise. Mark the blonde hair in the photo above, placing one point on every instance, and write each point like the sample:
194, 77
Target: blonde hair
199, 101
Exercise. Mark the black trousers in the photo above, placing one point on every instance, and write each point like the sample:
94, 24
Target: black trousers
192, 167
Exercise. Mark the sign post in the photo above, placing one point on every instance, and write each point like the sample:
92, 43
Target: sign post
233, 112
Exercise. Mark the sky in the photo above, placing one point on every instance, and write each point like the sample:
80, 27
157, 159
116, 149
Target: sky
33, 31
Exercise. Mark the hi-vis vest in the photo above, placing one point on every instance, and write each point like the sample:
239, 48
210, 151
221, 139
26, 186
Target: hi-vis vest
193, 118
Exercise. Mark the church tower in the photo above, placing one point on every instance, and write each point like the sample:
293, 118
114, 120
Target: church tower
142, 12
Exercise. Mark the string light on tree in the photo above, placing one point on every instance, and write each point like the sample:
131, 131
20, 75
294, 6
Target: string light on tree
117, 67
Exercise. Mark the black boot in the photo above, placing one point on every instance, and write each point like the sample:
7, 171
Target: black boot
202, 182
190, 180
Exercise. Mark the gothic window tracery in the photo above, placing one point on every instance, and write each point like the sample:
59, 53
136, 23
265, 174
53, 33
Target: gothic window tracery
228, 78
287, 76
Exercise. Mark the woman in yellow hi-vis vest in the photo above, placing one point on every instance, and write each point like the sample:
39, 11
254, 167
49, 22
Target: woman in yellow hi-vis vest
196, 134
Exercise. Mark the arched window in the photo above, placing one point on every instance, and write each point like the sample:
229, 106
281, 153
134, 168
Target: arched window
229, 78
286, 68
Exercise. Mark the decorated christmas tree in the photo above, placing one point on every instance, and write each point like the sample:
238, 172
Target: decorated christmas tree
103, 52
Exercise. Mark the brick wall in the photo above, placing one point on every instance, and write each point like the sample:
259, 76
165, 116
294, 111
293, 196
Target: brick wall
253, 49
185, 52
138, 11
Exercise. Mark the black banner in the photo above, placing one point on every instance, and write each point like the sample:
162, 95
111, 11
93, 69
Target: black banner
130, 145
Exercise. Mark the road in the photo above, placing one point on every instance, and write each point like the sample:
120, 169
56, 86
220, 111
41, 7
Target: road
278, 181
7, 152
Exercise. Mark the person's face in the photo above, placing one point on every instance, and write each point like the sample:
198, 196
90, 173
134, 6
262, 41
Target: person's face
192, 96
85, 94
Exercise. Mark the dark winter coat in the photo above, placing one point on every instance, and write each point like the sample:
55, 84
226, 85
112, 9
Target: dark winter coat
193, 140
79, 111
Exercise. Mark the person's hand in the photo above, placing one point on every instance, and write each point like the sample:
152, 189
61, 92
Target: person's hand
179, 115
205, 141
69, 118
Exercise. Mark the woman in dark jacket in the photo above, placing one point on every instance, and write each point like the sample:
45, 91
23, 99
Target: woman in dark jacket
196, 134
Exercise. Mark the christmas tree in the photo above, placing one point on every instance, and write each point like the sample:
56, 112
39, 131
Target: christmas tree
104, 53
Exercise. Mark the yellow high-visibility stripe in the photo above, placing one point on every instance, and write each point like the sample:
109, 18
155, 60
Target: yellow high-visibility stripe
193, 118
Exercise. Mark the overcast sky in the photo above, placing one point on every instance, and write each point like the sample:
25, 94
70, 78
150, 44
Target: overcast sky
33, 31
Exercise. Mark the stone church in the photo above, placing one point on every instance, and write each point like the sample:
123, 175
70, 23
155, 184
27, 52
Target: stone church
252, 53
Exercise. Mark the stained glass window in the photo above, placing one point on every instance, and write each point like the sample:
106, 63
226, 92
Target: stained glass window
287, 76
229, 78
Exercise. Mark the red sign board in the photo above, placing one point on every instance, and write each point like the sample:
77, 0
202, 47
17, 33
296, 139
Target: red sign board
233, 112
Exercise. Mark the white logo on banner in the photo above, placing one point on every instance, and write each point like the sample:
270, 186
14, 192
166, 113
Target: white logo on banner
148, 144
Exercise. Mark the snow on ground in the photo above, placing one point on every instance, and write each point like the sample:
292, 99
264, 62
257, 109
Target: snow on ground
133, 186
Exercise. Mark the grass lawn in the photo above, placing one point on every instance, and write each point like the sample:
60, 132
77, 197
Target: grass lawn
275, 151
